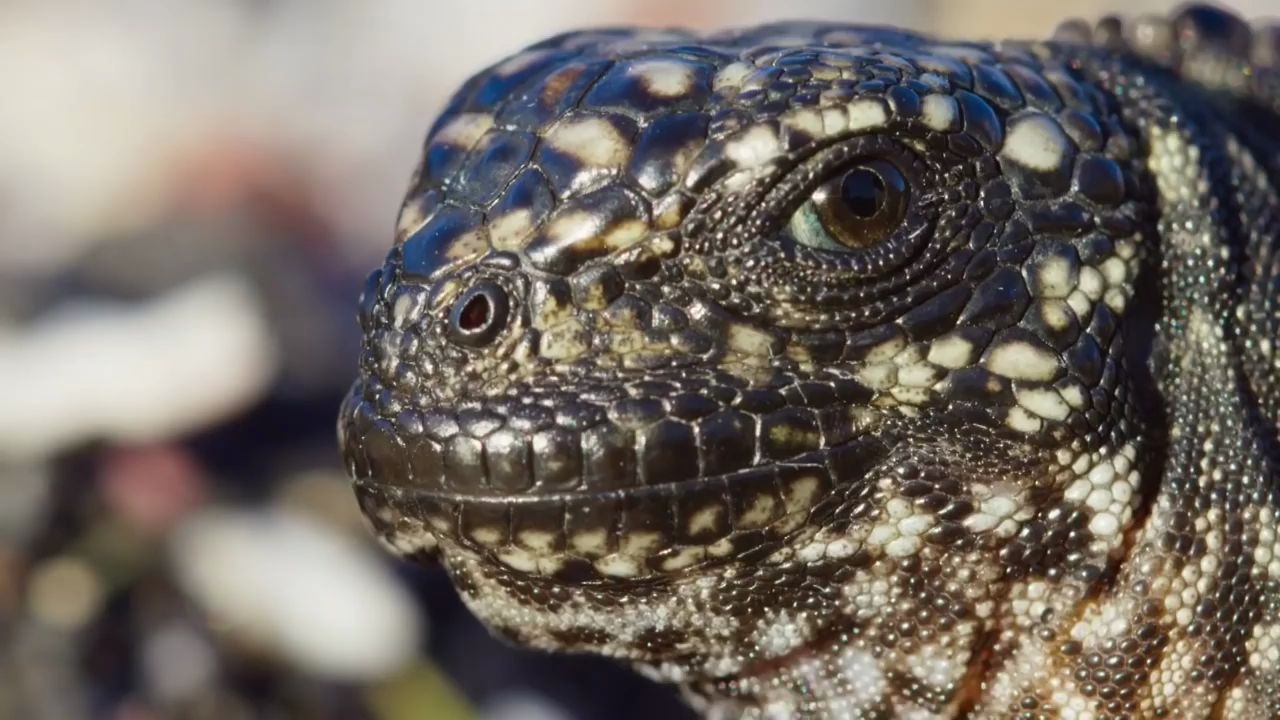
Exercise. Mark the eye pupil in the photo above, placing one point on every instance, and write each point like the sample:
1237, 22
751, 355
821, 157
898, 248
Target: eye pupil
862, 192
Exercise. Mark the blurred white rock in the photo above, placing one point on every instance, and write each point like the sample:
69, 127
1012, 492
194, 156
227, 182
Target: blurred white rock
178, 662
300, 590
133, 371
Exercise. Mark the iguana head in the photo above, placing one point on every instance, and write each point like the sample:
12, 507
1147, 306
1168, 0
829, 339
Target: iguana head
758, 357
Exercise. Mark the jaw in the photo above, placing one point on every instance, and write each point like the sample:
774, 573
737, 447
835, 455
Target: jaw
833, 573
767, 542
644, 573
625, 478
617, 537
826, 619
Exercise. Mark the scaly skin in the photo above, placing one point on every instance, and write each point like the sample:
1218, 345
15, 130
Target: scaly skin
835, 372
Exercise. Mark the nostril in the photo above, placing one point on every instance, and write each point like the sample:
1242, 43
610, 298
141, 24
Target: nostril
478, 315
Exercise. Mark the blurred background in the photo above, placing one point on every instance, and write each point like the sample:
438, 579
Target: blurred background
190, 195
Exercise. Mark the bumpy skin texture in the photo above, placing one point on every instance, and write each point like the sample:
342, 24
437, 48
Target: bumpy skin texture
1005, 449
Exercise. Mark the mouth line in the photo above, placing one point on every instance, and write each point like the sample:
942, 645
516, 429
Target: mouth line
625, 534
807, 461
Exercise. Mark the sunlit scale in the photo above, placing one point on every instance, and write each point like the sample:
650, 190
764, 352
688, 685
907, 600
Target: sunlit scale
839, 372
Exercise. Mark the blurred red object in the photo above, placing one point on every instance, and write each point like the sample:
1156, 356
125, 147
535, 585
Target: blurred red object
152, 487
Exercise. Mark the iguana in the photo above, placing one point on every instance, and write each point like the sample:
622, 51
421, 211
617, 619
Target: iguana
833, 371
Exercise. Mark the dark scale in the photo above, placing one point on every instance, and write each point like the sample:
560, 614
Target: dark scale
841, 372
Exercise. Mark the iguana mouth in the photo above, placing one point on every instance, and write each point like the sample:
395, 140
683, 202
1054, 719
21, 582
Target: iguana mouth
590, 504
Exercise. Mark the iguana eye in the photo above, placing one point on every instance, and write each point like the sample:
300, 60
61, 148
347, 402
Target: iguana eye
855, 210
